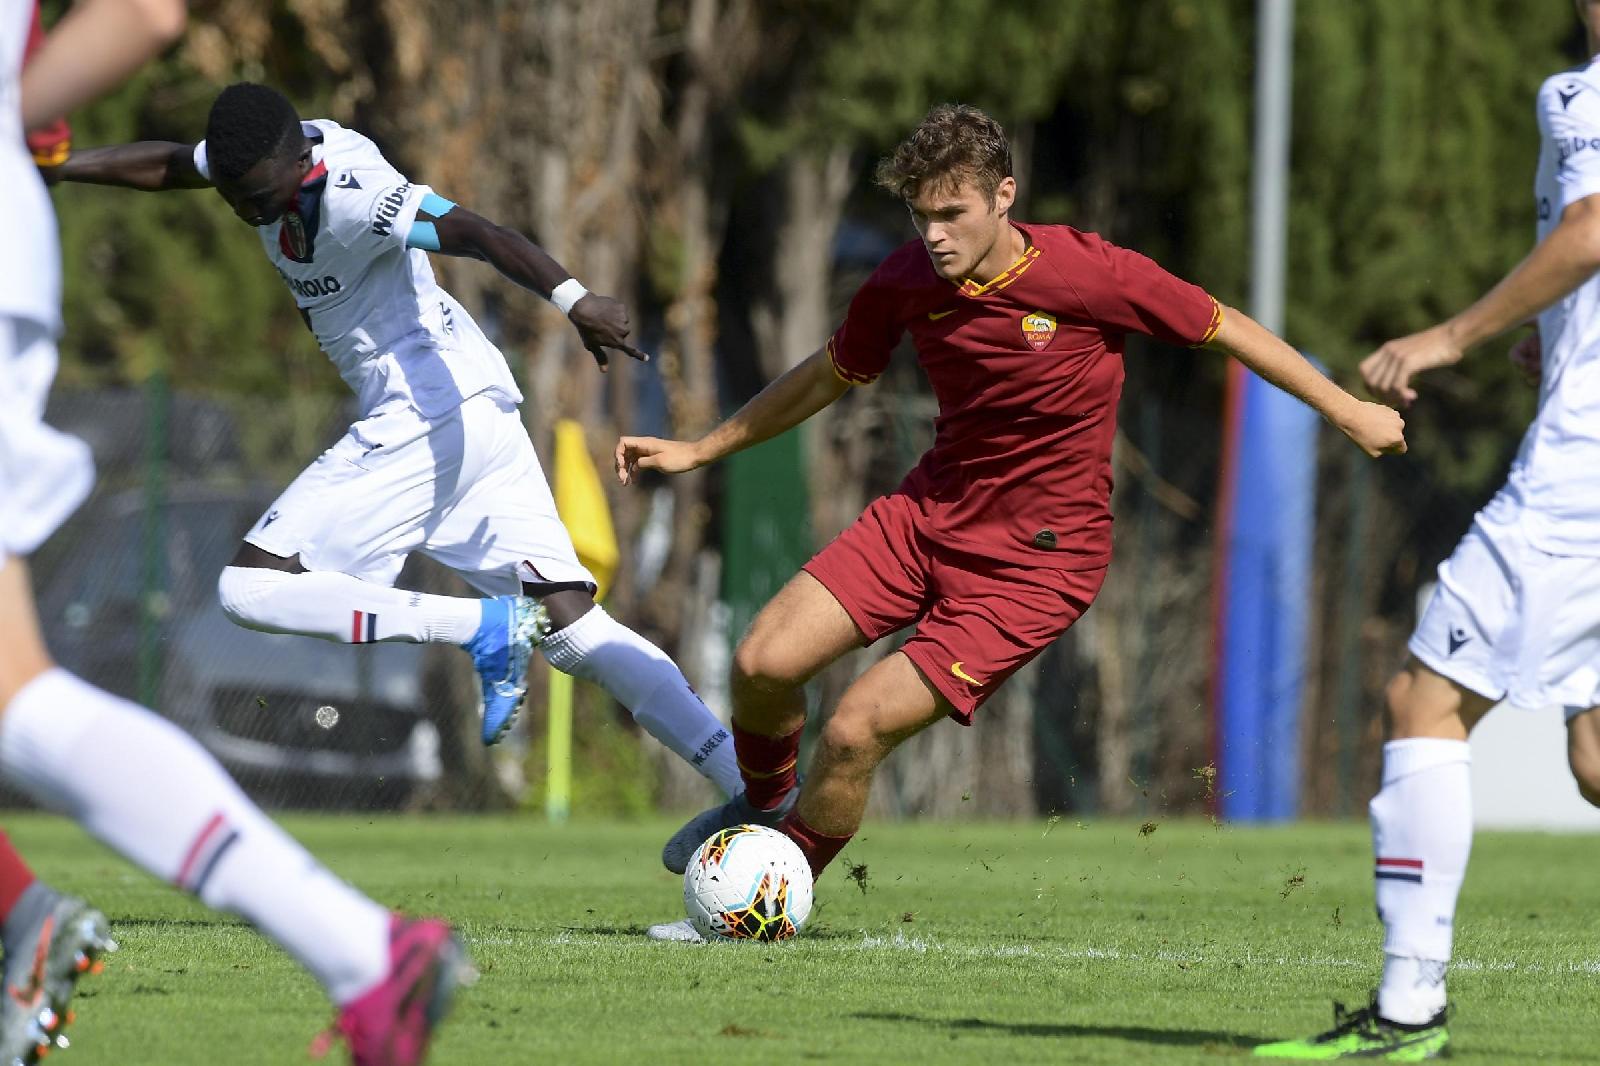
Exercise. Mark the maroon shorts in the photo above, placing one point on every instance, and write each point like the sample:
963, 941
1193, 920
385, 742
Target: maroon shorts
979, 620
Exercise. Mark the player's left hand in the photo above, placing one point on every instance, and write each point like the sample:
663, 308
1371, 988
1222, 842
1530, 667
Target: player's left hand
1375, 429
603, 323
1388, 371
1527, 357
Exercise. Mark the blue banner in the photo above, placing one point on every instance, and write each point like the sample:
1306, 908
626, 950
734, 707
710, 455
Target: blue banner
1268, 531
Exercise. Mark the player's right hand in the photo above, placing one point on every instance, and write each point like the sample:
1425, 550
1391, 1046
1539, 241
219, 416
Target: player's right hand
603, 323
1527, 356
1388, 371
652, 453
1376, 429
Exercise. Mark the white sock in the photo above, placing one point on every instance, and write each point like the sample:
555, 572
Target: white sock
1421, 837
343, 608
143, 786
643, 679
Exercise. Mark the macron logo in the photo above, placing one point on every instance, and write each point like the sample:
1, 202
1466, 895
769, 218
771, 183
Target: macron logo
347, 181
389, 209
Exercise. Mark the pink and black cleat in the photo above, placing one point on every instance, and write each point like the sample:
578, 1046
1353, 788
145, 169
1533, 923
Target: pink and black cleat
391, 1023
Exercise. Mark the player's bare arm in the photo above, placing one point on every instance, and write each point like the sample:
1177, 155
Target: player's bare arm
1375, 429
148, 166
788, 401
601, 321
1561, 262
119, 34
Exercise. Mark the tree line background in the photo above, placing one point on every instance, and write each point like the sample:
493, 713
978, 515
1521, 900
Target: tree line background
708, 161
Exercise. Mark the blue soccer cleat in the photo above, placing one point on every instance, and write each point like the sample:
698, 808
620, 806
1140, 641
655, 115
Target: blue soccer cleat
512, 626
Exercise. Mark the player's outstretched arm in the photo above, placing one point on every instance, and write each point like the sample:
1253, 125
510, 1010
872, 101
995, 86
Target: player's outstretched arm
1376, 429
1561, 262
94, 47
150, 166
788, 401
449, 229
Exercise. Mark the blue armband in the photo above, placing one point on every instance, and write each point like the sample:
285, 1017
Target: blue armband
425, 235
436, 205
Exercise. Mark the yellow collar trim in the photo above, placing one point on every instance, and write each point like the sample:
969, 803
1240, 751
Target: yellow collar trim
1004, 278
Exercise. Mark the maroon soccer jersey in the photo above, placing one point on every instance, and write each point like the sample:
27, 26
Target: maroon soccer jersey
1027, 371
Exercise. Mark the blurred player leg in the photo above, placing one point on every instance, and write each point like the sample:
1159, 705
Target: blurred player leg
1583, 752
141, 785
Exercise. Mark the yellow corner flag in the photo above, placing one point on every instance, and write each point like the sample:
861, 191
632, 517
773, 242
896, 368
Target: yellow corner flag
581, 503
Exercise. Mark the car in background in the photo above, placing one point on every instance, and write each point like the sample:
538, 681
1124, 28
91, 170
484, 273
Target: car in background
127, 598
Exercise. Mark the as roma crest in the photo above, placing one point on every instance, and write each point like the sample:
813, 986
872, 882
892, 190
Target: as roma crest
292, 239
1038, 328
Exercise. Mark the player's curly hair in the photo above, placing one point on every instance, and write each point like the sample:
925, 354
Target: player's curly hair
248, 123
954, 143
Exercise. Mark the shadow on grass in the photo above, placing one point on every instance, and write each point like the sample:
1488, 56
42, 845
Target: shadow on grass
1136, 1033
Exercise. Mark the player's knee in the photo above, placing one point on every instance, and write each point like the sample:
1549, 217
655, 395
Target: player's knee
852, 739
763, 663
1405, 714
239, 592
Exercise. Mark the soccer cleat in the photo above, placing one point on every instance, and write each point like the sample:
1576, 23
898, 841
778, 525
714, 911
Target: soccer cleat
65, 943
681, 847
679, 932
1365, 1034
390, 1024
512, 626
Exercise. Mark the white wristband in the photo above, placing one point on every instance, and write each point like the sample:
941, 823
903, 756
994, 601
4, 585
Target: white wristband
568, 293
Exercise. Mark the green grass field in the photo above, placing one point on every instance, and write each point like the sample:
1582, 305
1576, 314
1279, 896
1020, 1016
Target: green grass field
956, 943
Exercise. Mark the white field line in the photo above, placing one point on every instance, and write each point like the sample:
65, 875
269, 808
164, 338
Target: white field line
919, 945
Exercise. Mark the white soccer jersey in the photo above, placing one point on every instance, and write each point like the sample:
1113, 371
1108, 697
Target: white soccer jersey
1557, 471
30, 253
373, 304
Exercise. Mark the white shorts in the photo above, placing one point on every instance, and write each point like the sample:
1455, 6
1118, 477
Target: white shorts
44, 473
465, 489
1509, 621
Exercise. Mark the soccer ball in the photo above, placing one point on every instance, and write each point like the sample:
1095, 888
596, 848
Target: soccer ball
747, 883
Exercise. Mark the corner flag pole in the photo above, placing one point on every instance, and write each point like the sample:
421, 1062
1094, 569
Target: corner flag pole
581, 503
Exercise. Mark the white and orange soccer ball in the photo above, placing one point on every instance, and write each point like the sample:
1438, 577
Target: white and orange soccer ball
747, 883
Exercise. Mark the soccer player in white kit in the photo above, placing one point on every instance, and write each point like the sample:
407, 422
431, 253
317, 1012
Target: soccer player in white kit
1516, 612
439, 461
132, 779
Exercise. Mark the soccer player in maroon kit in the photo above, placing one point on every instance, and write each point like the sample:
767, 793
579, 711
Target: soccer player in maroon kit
999, 539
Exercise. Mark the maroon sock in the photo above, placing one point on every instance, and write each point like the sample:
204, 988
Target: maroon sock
768, 766
818, 848
15, 877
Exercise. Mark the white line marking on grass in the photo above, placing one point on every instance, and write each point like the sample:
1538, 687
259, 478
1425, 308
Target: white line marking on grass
921, 945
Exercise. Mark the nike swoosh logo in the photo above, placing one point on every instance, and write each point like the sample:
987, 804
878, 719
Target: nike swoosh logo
934, 316
955, 668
